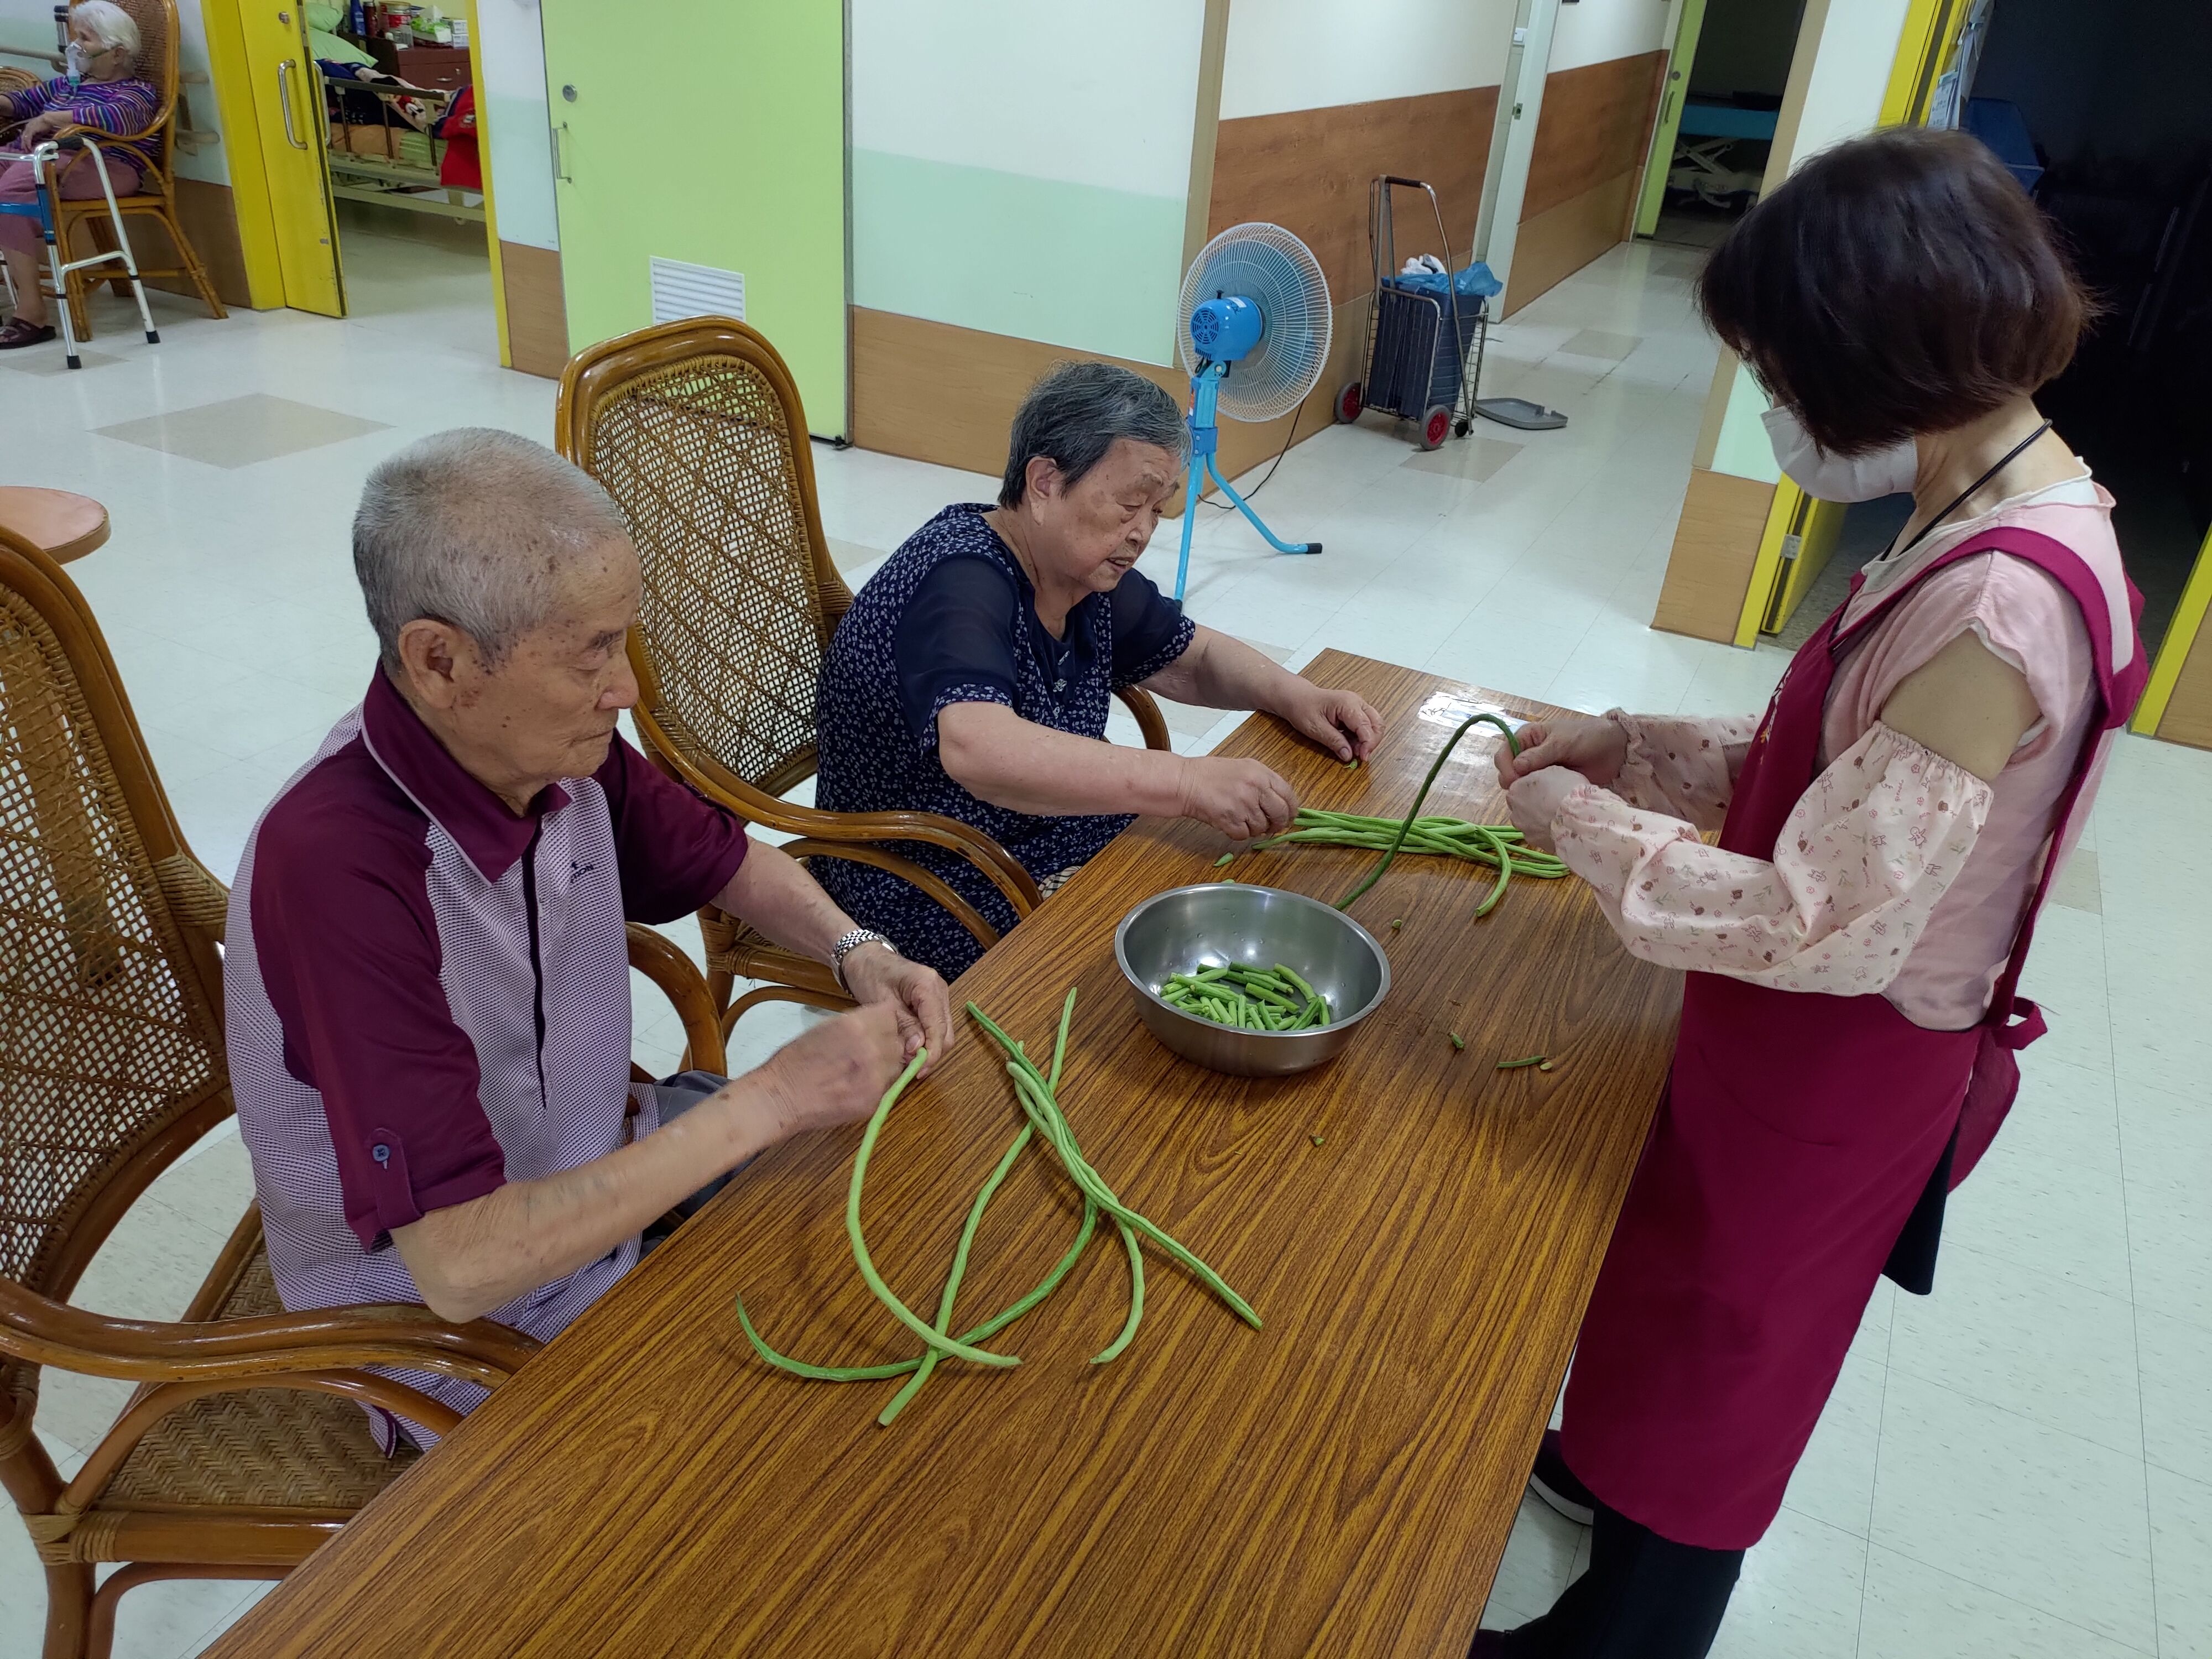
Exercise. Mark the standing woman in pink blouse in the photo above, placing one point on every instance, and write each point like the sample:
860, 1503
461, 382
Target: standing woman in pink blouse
1887, 832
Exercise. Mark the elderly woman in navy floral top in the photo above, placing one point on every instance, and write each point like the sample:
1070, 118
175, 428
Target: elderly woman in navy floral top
101, 96
972, 676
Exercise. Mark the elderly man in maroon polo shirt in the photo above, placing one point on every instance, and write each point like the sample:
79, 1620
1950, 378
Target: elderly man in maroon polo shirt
428, 984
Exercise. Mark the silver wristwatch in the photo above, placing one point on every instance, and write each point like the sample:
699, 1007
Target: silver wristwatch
849, 942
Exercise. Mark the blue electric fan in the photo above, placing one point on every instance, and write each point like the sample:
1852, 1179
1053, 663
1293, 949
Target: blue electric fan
1255, 342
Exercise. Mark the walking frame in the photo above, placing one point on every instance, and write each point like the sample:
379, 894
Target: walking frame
43, 159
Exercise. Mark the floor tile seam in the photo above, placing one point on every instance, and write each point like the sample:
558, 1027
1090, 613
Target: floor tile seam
2135, 1333
2011, 1259
1874, 1487
2006, 1595
2017, 1416
1919, 1375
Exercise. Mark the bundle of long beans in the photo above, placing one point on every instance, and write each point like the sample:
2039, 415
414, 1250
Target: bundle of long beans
1248, 999
1500, 846
1036, 1091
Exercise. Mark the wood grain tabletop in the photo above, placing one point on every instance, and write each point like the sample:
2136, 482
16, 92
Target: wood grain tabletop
1341, 1481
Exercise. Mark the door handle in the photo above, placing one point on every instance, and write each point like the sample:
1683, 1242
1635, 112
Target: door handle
284, 97
560, 154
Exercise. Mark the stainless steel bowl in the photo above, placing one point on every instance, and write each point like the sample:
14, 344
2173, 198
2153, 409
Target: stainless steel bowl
1186, 928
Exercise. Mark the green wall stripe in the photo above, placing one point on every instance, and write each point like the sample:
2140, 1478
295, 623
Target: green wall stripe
1074, 266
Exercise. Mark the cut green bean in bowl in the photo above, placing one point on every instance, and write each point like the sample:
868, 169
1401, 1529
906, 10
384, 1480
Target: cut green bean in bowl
1248, 999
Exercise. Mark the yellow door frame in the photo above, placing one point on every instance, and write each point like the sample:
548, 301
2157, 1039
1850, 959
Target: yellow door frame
2173, 650
249, 179
241, 131
1924, 45
491, 207
1689, 25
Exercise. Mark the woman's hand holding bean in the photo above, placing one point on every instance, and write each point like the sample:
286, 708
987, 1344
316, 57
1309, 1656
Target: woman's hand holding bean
1597, 749
1241, 798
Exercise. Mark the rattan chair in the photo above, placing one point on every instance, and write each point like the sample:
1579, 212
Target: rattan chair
696, 430
156, 197
245, 1446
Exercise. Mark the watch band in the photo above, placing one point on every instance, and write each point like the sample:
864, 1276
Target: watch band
848, 942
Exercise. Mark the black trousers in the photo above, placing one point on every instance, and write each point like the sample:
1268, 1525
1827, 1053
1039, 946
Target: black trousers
1644, 1597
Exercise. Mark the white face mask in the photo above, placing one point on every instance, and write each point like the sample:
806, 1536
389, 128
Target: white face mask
1838, 477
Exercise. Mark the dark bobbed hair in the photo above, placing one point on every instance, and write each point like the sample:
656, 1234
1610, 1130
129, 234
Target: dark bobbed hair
1898, 283
1073, 415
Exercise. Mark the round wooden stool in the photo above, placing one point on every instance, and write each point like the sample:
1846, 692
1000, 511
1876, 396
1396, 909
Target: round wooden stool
65, 526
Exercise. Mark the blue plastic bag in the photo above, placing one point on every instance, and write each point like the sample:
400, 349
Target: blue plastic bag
1474, 282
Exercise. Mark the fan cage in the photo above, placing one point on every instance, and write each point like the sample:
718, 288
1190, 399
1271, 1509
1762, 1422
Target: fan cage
1273, 269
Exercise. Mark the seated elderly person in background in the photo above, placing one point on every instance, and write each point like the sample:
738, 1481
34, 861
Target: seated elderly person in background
972, 676
428, 986
107, 97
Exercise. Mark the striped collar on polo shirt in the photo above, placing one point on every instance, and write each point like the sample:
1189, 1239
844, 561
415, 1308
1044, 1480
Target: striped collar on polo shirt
482, 824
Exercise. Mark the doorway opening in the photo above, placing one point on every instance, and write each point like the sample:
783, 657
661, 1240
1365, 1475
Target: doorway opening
1731, 90
405, 178
2099, 111
374, 199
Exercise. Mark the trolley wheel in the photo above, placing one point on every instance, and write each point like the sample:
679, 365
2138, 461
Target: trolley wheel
1436, 427
1462, 427
1350, 400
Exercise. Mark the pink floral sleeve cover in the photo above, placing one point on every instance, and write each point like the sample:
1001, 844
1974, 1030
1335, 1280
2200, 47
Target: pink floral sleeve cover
1857, 869
1684, 768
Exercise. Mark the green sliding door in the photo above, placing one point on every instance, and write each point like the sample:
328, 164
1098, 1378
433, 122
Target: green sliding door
699, 163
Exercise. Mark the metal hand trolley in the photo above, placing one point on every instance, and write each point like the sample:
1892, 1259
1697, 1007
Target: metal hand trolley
45, 158
1419, 343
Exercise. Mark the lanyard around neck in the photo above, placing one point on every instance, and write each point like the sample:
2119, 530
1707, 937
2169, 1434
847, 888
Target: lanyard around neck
1967, 494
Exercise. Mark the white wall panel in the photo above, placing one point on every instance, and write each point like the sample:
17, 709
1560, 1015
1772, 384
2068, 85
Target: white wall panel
1597, 31
511, 46
1086, 92
1843, 99
1312, 54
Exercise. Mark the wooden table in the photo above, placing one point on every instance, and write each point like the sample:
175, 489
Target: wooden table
63, 525
1340, 1482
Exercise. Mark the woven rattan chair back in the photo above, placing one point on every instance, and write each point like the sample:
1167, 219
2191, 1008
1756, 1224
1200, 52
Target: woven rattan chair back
111, 1021
696, 431
157, 49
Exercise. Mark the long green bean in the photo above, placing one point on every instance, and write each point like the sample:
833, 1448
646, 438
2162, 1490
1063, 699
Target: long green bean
884, 1293
1513, 746
1030, 1085
982, 1332
929, 1361
1036, 1094
1045, 1116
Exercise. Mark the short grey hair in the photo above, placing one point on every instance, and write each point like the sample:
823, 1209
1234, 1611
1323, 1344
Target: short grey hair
473, 527
1073, 415
110, 25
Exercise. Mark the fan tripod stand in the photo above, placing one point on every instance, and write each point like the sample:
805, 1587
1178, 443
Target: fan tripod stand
1205, 441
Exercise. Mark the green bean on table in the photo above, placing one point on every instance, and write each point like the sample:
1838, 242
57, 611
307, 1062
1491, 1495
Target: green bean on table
1036, 1093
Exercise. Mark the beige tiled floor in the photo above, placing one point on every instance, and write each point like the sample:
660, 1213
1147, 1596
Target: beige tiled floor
2020, 1465
241, 431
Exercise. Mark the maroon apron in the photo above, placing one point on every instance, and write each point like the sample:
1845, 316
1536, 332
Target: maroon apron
1799, 1133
